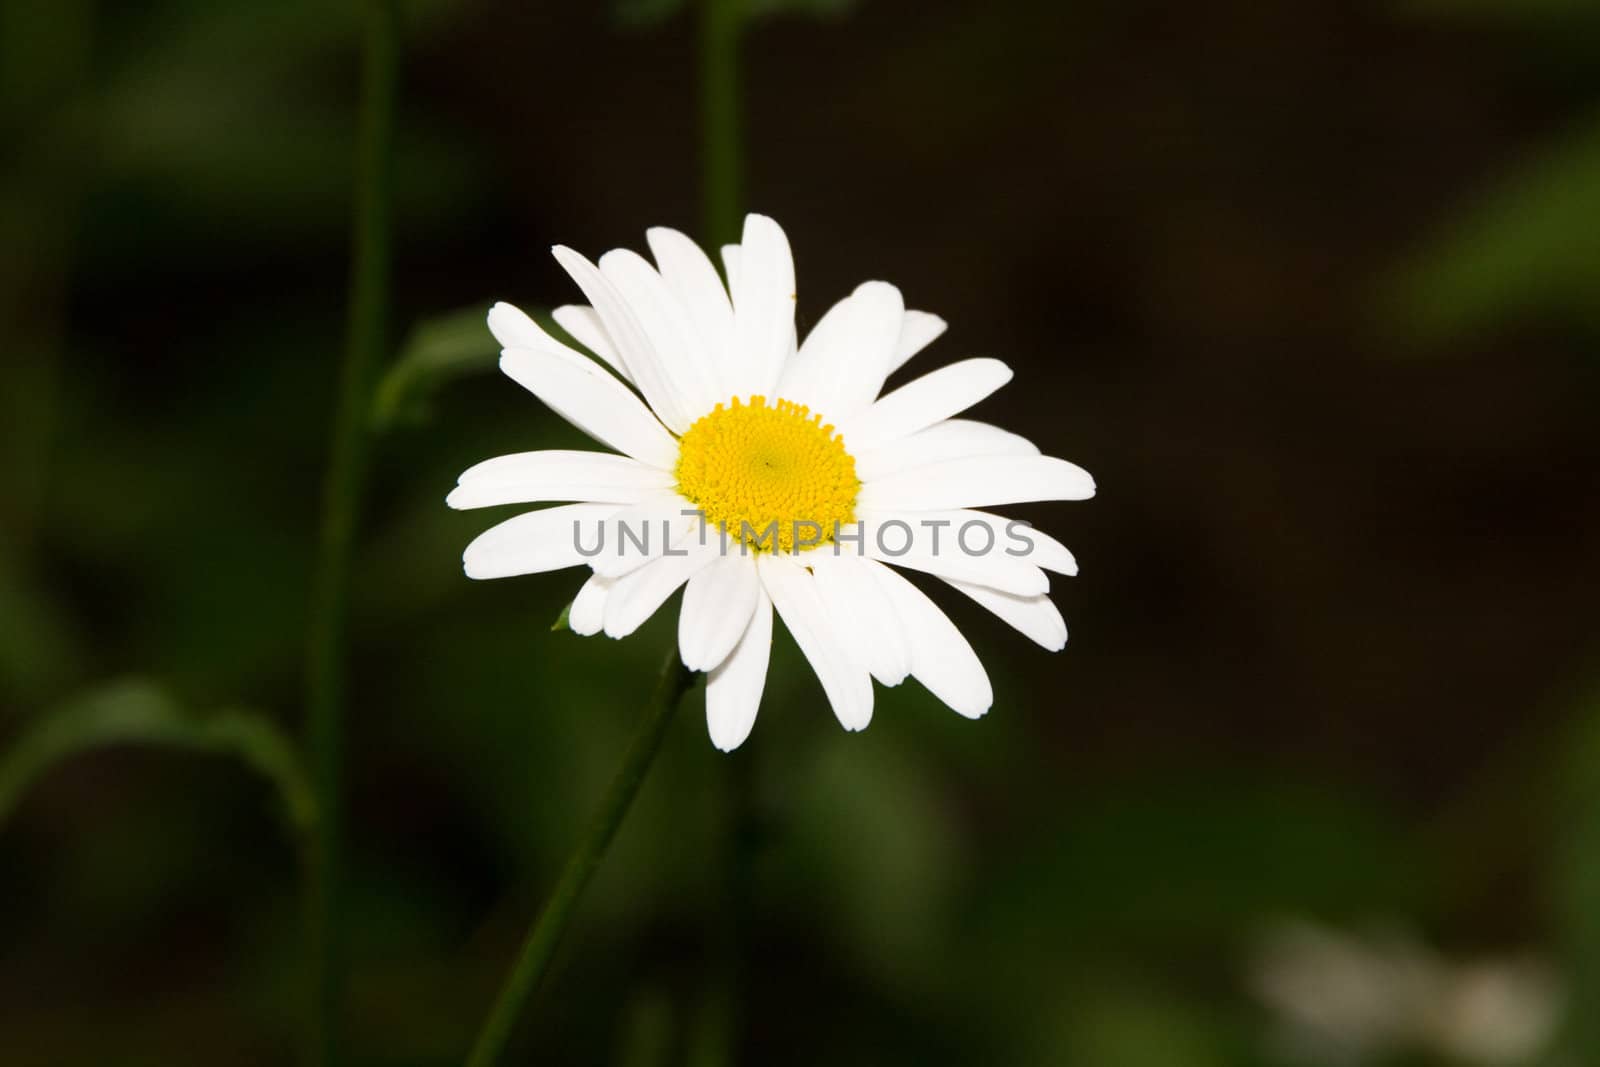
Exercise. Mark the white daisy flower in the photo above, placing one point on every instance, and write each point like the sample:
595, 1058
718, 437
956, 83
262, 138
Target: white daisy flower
769, 476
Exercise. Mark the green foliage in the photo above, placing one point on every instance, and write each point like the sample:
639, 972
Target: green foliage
814, 8
1073, 880
643, 13
1530, 247
37, 647
1134, 1023
437, 351
136, 712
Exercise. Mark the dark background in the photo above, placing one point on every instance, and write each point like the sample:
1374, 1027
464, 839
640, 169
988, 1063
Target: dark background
1313, 289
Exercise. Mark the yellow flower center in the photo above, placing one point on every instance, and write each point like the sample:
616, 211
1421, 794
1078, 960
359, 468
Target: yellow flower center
769, 476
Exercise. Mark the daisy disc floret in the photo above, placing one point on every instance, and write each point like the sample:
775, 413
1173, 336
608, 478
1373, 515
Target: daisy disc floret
769, 477
774, 476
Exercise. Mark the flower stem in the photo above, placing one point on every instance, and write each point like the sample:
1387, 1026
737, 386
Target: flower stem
365, 343
720, 23
713, 1037
542, 939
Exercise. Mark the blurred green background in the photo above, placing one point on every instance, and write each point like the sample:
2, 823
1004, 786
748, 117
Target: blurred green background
1312, 288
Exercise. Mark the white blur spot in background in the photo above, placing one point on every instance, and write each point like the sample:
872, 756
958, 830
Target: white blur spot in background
1355, 999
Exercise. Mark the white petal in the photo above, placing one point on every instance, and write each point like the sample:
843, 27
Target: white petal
949, 439
594, 402
730, 264
917, 331
513, 328
690, 275
666, 326
557, 474
763, 307
921, 403
733, 689
636, 596
841, 366
978, 533
932, 543
1036, 617
847, 684
981, 481
635, 535
862, 612
581, 321
537, 541
644, 365
1034, 545
716, 610
941, 659
587, 615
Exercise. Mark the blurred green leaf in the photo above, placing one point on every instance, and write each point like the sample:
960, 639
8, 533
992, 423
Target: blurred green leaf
645, 1037
38, 647
1196, 861
139, 712
42, 60
1132, 1021
815, 8
209, 118
438, 350
1532, 245
891, 879
643, 13
563, 621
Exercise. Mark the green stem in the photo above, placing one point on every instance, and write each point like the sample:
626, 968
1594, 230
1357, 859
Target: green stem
365, 343
51, 82
545, 935
712, 1041
720, 22
713, 1037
